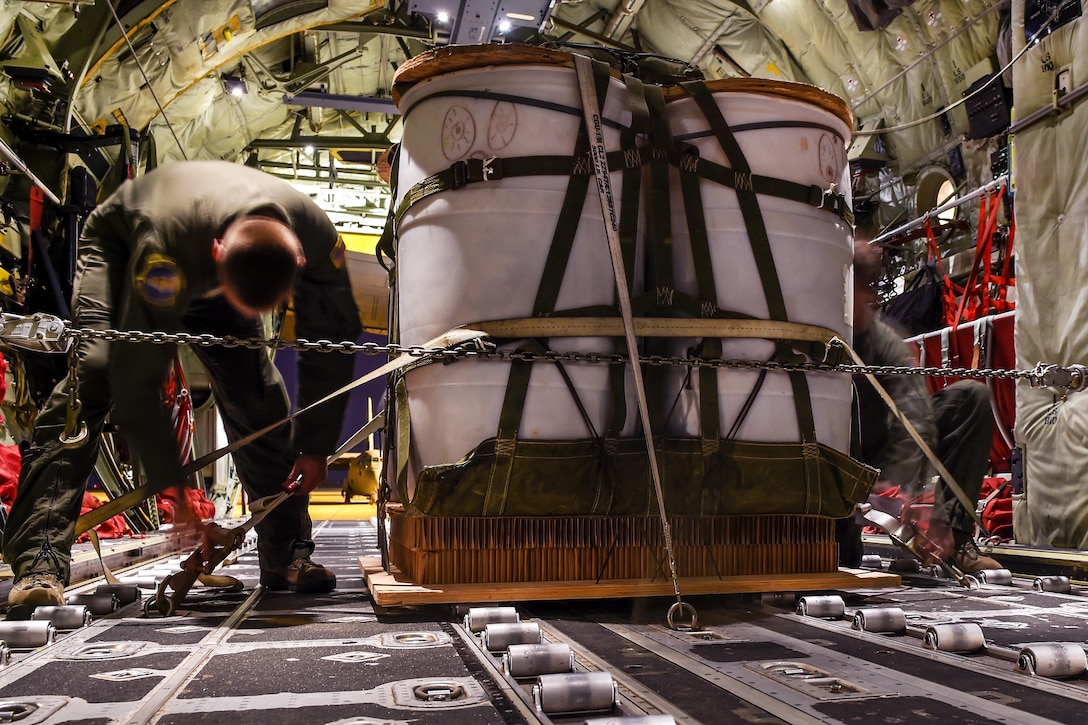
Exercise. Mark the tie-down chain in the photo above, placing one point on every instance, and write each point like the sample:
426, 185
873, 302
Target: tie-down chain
47, 333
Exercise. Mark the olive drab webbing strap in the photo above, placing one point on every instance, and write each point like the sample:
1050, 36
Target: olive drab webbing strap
551, 280
387, 246
760, 245
661, 295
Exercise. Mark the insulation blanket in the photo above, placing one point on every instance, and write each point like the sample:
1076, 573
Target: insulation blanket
1049, 162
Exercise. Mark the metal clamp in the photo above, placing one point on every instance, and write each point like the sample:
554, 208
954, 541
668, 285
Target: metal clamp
1070, 377
38, 332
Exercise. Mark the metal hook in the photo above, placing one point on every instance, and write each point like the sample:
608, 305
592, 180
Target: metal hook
682, 607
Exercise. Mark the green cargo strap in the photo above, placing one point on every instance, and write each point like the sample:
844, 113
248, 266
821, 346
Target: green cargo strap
628, 232
148, 151
809, 194
387, 246
461, 173
746, 198
661, 279
761, 251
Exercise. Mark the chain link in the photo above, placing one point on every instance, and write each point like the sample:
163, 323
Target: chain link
1040, 375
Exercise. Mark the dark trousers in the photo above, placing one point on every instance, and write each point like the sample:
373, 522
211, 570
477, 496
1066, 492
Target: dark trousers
965, 427
965, 433
250, 395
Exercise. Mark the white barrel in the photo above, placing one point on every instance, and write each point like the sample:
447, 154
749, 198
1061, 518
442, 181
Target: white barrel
478, 253
880, 619
799, 134
956, 637
575, 692
872, 561
500, 635
478, 618
530, 660
827, 606
1053, 659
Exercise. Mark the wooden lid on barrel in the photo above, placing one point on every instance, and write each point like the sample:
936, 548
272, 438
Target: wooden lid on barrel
789, 89
450, 58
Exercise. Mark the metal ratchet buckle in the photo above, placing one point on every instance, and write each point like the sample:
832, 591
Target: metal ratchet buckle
172, 590
1070, 377
38, 332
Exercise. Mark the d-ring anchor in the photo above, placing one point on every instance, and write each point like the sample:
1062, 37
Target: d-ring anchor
74, 441
681, 607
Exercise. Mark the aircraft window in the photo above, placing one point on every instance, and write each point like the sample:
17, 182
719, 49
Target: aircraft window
945, 194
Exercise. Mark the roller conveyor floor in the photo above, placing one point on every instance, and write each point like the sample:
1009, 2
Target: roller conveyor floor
929, 651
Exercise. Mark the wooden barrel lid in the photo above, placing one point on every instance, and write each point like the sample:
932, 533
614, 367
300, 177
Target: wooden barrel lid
790, 89
450, 58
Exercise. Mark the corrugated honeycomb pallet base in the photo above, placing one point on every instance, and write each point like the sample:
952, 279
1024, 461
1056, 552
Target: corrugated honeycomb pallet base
483, 566
431, 550
393, 589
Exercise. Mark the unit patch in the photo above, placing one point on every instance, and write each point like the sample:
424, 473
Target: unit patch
339, 253
159, 281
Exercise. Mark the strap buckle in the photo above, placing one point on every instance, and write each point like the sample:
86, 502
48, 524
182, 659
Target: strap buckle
833, 201
469, 171
38, 332
491, 169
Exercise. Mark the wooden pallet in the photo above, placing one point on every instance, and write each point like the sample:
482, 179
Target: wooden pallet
392, 589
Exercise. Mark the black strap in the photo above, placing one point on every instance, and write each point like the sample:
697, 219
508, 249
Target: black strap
809, 194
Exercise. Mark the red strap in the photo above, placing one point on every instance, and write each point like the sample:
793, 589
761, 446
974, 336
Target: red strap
37, 204
975, 289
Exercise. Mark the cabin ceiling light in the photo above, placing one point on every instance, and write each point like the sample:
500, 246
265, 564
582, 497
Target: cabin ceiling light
235, 86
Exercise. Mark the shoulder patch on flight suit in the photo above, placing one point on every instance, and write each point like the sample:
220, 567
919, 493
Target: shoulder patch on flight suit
159, 281
338, 255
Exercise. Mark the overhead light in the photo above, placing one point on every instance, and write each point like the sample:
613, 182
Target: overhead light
308, 149
481, 21
235, 86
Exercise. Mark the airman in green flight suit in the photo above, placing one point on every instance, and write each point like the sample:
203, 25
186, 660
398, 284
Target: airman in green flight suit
199, 247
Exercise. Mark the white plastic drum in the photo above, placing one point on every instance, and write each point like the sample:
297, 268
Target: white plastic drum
478, 253
799, 134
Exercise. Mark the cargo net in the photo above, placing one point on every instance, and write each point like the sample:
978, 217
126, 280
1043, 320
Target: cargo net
485, 550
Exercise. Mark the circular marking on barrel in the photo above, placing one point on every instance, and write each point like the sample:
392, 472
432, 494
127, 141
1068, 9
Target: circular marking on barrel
458, 132
503, 125
830, 159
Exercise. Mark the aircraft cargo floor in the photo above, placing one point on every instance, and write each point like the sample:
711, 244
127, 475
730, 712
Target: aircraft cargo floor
270, 657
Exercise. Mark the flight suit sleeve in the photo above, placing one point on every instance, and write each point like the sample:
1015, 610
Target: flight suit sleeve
324, 310
149, 295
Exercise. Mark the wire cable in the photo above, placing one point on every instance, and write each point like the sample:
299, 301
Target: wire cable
143, 72
933, 116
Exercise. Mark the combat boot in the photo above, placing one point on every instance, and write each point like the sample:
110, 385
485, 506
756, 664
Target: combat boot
37, 589
970, 560
302, 575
